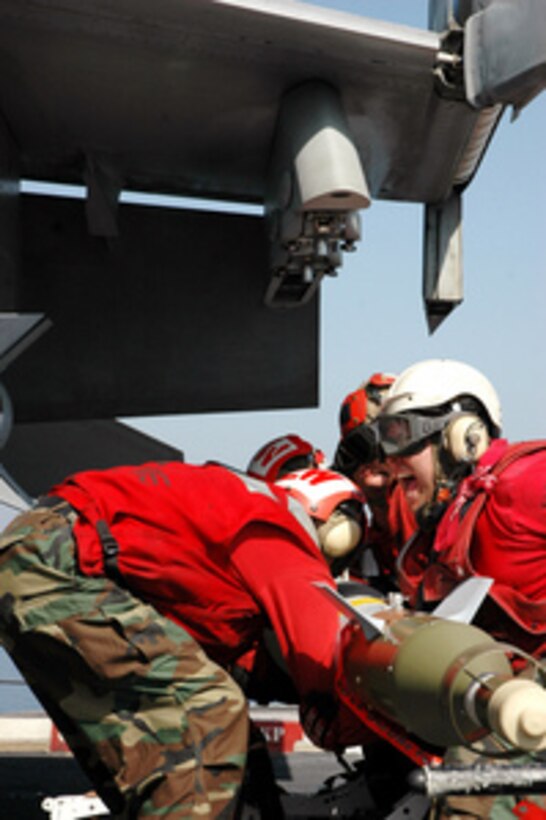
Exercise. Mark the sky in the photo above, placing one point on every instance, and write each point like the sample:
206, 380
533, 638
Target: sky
372, 316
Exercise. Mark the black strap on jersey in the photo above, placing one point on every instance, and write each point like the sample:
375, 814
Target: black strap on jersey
110, 551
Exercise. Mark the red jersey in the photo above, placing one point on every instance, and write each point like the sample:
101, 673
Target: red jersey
389, 532
217, 551
503, 537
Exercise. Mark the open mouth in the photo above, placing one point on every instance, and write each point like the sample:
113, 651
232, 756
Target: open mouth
408, 482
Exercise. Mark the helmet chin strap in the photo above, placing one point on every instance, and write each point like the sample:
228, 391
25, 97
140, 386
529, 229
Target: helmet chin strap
447, 477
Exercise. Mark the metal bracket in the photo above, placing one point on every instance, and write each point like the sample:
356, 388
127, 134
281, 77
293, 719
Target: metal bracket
315, 188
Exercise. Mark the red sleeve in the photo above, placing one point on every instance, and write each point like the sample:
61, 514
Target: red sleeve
279, 572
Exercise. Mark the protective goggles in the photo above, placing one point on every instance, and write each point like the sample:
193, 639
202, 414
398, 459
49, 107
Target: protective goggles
403, 434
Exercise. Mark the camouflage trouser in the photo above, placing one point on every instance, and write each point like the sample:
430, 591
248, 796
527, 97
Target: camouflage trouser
160, 729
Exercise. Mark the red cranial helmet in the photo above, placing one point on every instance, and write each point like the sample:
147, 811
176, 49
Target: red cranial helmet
321, 491
334, 503
283, 455
353, 411
380, 380
376, 390
362, 405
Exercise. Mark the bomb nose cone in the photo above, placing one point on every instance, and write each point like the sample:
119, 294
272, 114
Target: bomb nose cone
533, 723
517, 712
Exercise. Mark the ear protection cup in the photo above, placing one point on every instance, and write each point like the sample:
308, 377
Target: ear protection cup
466, 438
339, 535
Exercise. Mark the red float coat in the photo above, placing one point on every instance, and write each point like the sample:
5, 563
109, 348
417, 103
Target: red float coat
495, 527
220, 553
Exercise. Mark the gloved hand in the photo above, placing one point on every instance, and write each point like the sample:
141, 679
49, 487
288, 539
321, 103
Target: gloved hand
318, 714
359, 446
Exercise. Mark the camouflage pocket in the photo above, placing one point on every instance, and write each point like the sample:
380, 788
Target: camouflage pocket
135, 626
113, 642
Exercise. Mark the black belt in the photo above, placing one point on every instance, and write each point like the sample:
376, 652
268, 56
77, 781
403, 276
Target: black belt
55, 502
110, 547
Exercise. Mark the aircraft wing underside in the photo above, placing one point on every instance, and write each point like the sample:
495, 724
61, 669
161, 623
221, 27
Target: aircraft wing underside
309, 112
182, 97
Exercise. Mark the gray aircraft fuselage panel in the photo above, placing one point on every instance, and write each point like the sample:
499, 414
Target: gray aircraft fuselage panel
182, 97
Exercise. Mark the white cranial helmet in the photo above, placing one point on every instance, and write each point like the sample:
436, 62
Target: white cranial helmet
333, 502
436, 382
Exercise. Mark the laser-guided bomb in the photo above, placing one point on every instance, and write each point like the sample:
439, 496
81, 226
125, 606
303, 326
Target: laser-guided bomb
436, 675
